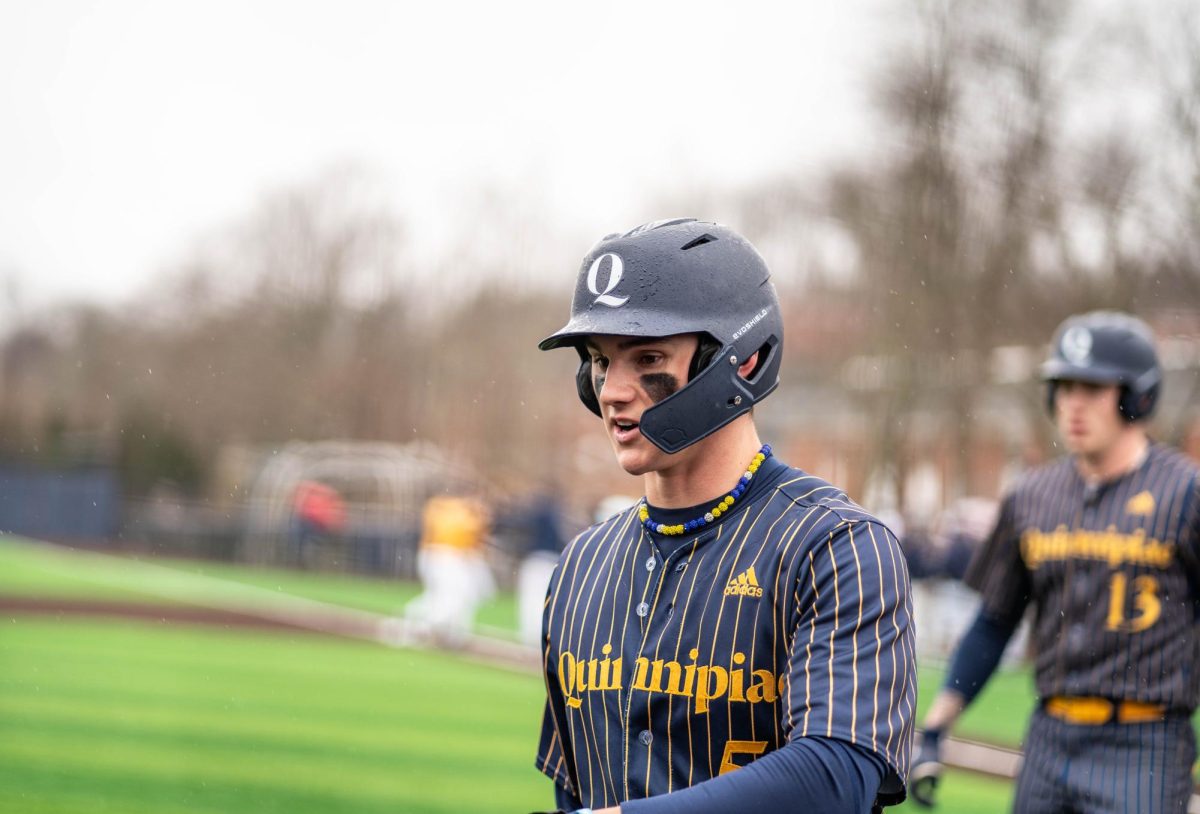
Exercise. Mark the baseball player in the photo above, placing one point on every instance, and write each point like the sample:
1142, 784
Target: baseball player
1103, 542
740, 639
453, 569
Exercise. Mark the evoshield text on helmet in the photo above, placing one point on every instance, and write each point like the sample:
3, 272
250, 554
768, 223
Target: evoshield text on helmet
681, 277
1107, 347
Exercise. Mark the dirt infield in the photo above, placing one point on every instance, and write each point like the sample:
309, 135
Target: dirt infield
187, 614
324, 620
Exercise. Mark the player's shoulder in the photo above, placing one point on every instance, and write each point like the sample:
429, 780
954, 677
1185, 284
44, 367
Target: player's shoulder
616, 525
1043, 478
1174, 464
807, 494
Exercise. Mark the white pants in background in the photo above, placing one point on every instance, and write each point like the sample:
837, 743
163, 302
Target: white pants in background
533, 578
455, 582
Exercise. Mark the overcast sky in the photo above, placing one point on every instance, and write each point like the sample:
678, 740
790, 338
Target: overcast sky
131, 128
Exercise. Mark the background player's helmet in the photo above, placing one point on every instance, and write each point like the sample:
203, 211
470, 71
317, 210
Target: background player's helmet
1107, 347
678, 277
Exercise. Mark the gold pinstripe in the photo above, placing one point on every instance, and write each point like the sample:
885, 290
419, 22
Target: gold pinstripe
679, 640
678, 644
559, 726
837, 605
546, 672
550, 751
712, 651
737, 618
777, 621
878, 645
812, 636
575, 639
905, 733
605, 765
786, 699
630, 547
789, 534
714, 544
854, 639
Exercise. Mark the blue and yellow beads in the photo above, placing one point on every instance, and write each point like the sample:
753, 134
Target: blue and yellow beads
722, 506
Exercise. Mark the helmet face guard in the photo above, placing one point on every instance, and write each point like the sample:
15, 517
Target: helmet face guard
1107, 347
682, 277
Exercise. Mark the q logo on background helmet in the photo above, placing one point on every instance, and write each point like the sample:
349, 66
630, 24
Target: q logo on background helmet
614, 278
1077, 345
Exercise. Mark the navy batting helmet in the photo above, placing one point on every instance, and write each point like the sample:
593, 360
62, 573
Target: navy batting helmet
1107, 347
673, 277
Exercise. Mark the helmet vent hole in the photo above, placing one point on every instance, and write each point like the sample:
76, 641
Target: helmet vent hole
764, 353
700, 241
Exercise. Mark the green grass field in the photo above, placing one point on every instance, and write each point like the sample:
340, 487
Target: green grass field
134, 716
131, 717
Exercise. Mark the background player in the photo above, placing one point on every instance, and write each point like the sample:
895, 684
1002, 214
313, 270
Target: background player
1104, 543
740, 639
455, 577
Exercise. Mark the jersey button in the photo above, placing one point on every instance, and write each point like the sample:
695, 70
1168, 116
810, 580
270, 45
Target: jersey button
681, 566
645, 737
642, 609
650, 564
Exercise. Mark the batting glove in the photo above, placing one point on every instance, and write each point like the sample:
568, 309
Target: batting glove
927, 770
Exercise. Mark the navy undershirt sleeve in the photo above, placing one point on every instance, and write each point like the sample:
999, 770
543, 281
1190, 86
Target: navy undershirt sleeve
978, 654
807, 774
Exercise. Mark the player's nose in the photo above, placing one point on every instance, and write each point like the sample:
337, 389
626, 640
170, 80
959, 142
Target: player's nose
618, 387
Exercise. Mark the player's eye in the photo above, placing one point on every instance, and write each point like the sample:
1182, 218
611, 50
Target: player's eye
650, 359
599, 363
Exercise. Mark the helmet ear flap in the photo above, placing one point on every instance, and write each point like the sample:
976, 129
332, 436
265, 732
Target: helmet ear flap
1135, 406
583, 384
1051, 387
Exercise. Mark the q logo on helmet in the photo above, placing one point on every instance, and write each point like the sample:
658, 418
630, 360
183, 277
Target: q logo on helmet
1077, 345
614, 278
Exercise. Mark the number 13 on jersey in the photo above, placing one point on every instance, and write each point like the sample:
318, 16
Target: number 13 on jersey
1146, 605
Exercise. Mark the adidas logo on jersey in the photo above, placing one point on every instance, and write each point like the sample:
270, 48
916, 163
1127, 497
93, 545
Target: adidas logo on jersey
744, 584
1140, 504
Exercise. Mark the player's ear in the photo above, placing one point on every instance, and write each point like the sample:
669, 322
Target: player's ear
747, 367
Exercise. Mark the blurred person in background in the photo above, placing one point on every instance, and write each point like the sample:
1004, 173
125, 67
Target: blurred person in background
937, 561
533, 575
739, 639
320, 514
1105, 544
454, 573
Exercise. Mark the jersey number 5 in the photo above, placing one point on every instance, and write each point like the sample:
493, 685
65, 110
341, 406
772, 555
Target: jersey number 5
1146, 605
732, 748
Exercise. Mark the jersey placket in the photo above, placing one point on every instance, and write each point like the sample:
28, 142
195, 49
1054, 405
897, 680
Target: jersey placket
664, 575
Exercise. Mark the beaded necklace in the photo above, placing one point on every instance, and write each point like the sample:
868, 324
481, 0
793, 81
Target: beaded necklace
716, 511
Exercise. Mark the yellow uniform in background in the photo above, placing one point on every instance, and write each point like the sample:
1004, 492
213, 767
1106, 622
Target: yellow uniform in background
457, 522
450, 562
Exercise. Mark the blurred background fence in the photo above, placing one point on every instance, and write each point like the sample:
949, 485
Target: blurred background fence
1025, 161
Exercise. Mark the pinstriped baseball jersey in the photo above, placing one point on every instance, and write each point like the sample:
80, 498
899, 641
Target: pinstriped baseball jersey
1112, 571
669, 661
